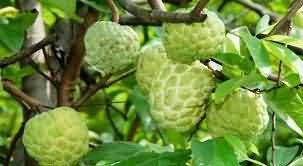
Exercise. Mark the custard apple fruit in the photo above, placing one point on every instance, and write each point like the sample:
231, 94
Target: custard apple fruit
242, 114
58, 137
186, 43
151, 57
110, 47
179, 94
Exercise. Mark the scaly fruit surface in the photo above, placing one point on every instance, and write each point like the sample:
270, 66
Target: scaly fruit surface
186, 43
58, 137
179, 94
151, 57
110, 47
242, 114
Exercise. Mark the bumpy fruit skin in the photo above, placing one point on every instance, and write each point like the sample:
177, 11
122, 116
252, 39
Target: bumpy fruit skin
151, 57
243, 114
110, 47
179, 94
186, 43
58, 137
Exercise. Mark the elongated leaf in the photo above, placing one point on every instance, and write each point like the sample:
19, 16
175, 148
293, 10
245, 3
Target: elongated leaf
284, 155
215, 152
287, 57
297, 162
178, 158
263, 24
287, 101
258, 53
113, 152
288, 40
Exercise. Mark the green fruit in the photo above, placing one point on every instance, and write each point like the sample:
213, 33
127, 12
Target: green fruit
242, 114
179, 94
58, 137
151, 57
110, 47
186, 43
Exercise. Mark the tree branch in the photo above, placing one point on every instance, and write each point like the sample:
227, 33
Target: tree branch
159, 16
261, 10
284, 24
114, 10
157, 5
29, 102
72, 70
27, 52
93, 89
199, 7
178, 2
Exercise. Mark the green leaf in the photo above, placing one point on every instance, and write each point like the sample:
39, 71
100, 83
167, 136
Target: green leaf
297, 162
286, 101
97, 4
284, 155
287, 57
12, 32
263, 24
238, 146
224, 89
215, 152
288, 40
68, 7
178, 158
258, 52
113, 152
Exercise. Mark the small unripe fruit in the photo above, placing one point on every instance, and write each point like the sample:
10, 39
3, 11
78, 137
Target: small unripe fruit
186, 43
151, 57
179, 94
58, 137
110, 47
242, 114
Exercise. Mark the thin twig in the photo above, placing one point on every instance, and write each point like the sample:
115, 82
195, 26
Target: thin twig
199, 7
114, 10
27, 52
24, 99
112, 123
157, 5
48, 63
93, 89
159, 16
283, 25
43, 74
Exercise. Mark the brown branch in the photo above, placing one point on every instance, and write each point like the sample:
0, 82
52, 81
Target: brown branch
261, 10
157, 5
29, 102
43, 74
132, 20
48, 63
284, 24
178, 2
199, 7
93, 89
114, 10
72, 70
27, 52
159, 16
133, 130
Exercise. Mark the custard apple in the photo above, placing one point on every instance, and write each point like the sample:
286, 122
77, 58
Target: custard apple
186, 43
58, 137
151, 57
179, 94
110, 47
242, 114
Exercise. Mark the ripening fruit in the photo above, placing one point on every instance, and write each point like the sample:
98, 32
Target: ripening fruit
178, 95
186, 43
58, 137
110, 47
242, 114
151, 57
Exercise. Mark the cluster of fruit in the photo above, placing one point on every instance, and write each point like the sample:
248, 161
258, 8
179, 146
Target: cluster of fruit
169, 72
